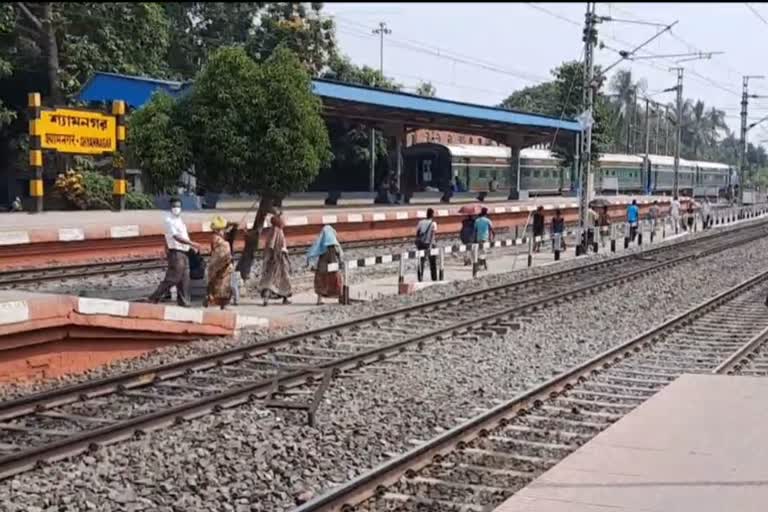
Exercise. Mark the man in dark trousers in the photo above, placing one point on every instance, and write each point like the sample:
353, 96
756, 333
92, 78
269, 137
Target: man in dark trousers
177, 244
538, 228
425, 241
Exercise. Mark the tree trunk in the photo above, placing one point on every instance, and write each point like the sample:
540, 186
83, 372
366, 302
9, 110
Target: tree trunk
252, 238
52, 53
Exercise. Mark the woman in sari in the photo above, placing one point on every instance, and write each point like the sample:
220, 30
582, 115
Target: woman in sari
220, 266
324, 251
274, 274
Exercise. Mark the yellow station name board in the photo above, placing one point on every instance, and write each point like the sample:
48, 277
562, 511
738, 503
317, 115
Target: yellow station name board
77, 131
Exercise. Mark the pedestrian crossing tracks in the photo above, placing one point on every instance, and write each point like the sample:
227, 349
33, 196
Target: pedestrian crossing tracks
449, 249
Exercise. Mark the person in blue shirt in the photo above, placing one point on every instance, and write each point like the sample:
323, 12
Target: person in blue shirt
633, 215
483, 233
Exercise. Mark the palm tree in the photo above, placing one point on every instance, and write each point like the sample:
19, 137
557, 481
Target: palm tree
626, 90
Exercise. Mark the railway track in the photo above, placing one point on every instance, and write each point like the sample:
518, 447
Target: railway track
24, 276
477, 465
63, 422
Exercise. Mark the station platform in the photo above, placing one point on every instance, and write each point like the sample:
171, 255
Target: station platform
698, 445
46, 335
52, 239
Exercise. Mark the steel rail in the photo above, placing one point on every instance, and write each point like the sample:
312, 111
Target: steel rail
367, 485
120, 430
89, 389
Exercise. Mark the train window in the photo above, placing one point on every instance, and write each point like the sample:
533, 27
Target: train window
471, 140
450, 139
526, 173
462, 139
482, 173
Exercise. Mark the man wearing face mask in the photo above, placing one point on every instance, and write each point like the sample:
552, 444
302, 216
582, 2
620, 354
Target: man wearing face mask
177, 244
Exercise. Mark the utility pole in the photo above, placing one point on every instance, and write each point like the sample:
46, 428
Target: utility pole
657, 132
679, 127
586, 185
381, 32
666, 130
743, 141
647, 143
630, 119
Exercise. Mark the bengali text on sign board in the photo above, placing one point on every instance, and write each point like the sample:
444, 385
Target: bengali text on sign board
77, 131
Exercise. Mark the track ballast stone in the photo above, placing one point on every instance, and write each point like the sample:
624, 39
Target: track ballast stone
251, 459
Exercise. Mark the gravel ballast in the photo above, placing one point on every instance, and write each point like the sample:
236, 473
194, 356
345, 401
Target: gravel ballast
249, 459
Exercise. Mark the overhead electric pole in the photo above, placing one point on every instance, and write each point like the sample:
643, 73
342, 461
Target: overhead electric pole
647, 143
666, 130
743, 140
381, 32
657, 132
585, 185
679, 130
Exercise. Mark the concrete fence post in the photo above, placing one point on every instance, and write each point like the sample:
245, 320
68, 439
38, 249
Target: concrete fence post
441, 261
474, 260
530, 251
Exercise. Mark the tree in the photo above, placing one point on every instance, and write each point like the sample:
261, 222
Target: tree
256, 128
426, 89
569, 93
158, 144
7, 21
351, 140
199, 28
539, 99
71, 40
298, 26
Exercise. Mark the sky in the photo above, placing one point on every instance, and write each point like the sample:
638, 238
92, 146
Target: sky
481, 52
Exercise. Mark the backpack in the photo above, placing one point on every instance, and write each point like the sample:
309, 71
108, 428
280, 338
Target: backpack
196, 265
422, 237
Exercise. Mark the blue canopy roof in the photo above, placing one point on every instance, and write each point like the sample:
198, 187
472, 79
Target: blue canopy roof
134, 90
365, 101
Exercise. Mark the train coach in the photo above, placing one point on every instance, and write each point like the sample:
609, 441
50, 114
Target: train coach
431, 166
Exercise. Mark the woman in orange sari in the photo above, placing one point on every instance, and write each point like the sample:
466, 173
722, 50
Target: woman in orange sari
274, 280
220, 266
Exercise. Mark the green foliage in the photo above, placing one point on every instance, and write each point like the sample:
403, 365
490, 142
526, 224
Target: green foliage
297, 26
86, 189
120, 37
158, 144
294, 142
568, 101
138, 201
197, 29
539, 99
350, 142
221, 116
255, 128
426, 89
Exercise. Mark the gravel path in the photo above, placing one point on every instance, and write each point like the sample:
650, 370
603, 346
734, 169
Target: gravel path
249, 459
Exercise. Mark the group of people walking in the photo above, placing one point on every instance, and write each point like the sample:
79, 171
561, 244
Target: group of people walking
325, 255
223, 280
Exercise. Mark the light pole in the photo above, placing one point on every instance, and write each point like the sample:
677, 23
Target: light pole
381, 32
743, 141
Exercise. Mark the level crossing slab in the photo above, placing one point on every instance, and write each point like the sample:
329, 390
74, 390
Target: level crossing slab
698, 445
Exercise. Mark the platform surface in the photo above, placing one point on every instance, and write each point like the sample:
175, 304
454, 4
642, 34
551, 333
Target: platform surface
82, 219
697, 446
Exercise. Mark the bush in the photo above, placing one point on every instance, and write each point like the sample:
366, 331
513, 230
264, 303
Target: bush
91, 190
138, 201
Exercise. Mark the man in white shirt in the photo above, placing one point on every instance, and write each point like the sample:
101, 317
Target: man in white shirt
177, 246
674, 211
